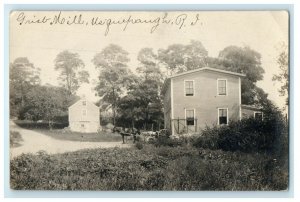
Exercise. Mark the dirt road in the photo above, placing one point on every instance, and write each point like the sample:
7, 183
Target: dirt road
34, 142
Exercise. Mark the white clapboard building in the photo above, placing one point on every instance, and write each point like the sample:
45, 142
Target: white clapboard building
84, 117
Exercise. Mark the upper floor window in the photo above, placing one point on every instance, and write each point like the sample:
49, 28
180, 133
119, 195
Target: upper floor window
189, 88
222, 87
84, 103
84, 112
223, 116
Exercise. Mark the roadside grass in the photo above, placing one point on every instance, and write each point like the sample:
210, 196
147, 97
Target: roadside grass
148, 168
61, 134
58, 132
15, 139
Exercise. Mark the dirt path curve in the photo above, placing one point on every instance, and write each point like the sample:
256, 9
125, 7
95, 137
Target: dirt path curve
34, 142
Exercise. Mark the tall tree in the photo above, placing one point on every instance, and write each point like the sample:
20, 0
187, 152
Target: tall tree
149, 65
22, 77
243, 60
114, 77
71, 71
283, 75
142, 103
179, 58
150, 84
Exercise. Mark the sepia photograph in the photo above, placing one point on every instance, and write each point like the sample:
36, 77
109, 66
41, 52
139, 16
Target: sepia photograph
149, 100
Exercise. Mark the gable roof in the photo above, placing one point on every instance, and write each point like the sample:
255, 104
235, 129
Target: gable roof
82, 99
208, 69
167, 81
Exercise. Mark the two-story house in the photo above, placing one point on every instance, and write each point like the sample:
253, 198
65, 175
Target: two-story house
84, 116
201, 97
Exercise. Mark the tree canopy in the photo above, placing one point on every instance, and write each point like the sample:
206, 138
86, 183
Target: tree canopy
47, 103
142, 104
71, 71
283, 75
149, 67
114, 75
22, 77
243, 60
179, 58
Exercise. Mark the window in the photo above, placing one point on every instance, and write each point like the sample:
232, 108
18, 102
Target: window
84, 112
82, 125
222, 84
189, 88
258, 115
223, 119
190, 117
84, 103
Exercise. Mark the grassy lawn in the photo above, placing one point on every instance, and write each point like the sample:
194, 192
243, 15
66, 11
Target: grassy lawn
59, 133
82, 137
148, 168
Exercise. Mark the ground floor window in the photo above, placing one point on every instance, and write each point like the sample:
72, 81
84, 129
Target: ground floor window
190, 117
258, 115
223, 116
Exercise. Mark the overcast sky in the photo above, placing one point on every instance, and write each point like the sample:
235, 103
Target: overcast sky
41, 42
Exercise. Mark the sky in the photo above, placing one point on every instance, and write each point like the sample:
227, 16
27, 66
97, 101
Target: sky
40, 36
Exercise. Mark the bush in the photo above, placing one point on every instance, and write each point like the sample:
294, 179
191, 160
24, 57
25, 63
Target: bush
15, 139
166, 141
153, 168
219, 170
40, 125
139, 145
247, 135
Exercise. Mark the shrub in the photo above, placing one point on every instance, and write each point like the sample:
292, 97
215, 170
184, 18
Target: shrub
40, 125
219, 170
15, 139
153, 168
208, 138
247, 135
166, 141
139, 145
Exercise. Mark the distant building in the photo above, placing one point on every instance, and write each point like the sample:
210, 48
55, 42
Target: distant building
202, 97
249, 111
84, 117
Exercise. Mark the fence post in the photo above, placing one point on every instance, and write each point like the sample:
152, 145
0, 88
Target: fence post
178, 125
196, 125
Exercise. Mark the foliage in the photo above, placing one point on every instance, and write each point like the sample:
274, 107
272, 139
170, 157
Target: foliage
216, 170
22, 77
149, 65
143, 105
283, 76
139, 145
28, 124
166, 141
69, 64
47, 103
15, 138
114, 76
243, 60
162, 168
179, 58
247, 135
